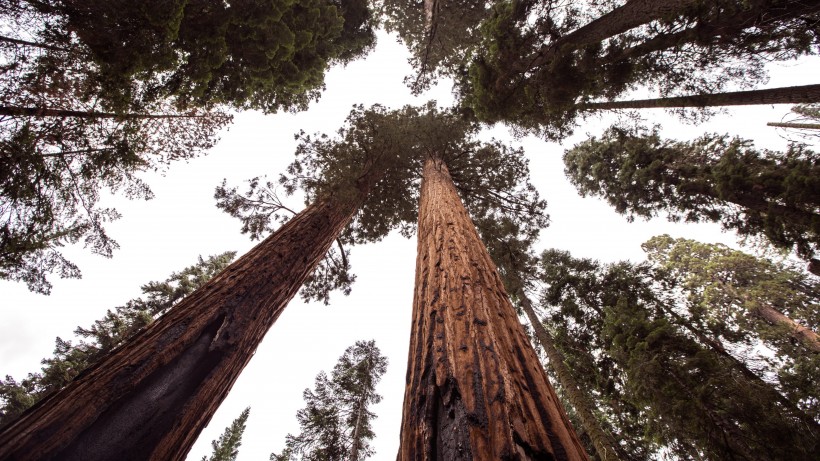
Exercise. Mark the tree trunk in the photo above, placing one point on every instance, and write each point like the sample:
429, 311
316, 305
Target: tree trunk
803, 334
475, 388
354, 449
802, 126
17, 41
15, 111
785, 95
708, 33
633, 14
602, 440
151, 398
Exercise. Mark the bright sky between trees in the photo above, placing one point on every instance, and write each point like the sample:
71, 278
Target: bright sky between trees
166, 234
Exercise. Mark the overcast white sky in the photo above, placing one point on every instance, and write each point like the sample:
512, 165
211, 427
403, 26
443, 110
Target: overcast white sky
168, 233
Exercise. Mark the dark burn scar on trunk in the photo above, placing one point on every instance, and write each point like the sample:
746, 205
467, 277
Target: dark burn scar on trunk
150, 409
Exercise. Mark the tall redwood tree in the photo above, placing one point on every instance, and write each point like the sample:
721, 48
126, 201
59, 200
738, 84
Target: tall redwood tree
150, 398
475, 388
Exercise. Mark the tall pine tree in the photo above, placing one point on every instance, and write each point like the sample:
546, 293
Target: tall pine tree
536, 69
617, 325
226, 448
336, 421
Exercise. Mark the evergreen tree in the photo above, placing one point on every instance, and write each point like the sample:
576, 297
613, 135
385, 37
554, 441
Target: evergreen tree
804, 121
360, 187
105, 335
335, 423
440, 34
227, 447
536, 69
684, 396
492, 179
60, 150
742, 300
714, 178
267, 55
189, 359
475, 388
54, 169
177, 60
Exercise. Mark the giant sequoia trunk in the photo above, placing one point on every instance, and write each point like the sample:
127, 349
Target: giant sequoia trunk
602, 440
786, 95
150, 398
475, 388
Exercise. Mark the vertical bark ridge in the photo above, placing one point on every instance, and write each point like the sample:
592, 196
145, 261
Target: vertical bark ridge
150, 398
475, 388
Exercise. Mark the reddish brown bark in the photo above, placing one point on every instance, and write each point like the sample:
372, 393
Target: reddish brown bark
150, 398
803, 334
785, 95
475, 388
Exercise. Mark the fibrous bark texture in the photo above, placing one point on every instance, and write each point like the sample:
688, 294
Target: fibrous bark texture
475, 388
150, 398
785, 95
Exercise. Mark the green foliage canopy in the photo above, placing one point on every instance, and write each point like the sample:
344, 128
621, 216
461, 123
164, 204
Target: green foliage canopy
336, 421
491, 178
714, 178
261, 54
666, 389
527, 74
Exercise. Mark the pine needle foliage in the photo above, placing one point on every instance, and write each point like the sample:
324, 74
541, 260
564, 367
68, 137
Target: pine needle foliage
336, 421
754, 192
226, 448
492, 179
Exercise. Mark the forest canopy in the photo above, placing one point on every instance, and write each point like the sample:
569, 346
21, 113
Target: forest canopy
664, 306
